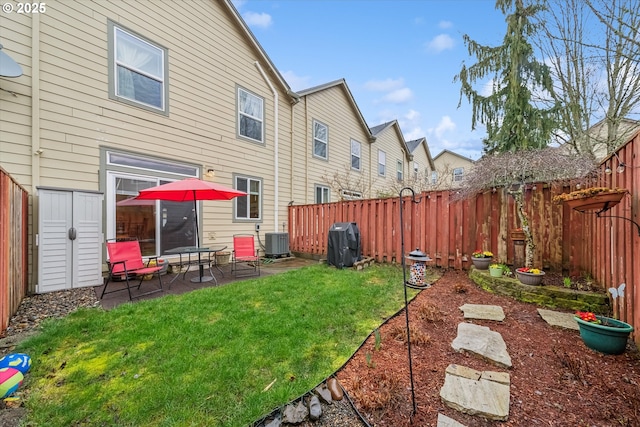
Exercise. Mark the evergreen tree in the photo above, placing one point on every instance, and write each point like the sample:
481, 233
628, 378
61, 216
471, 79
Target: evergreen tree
510, 114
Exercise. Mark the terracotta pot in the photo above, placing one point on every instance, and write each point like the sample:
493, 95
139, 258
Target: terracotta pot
530, 278
610, 337
598, 202
481, 263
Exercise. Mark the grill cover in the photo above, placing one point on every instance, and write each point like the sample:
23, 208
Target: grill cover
343, 244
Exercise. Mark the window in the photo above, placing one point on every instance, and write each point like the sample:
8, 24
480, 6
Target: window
158, 225
415, 170
434, 177
138, 72
250, 116
355, 155
399, 167
322, 194
382, 163
457, 174
248, 207
320, 140
350, 195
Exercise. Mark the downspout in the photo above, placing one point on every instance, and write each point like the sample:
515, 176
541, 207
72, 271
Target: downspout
36, 151
276, 170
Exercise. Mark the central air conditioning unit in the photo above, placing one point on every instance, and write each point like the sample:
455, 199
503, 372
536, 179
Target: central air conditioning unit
276, 244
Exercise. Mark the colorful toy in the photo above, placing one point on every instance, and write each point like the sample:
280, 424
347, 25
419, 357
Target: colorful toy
10, 380
19, 361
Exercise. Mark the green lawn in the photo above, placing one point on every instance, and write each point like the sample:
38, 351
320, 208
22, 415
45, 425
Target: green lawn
205, 358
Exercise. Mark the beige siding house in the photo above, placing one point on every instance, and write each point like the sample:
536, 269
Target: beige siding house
421, 164
117, 96
450, 169
393, 159
332, 146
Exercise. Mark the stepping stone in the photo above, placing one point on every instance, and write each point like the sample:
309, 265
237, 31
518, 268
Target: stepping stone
556, 318
474, 392
444, 421
484, 312
482, 341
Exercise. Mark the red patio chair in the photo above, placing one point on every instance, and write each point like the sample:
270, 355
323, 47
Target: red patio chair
125, 262
245, 253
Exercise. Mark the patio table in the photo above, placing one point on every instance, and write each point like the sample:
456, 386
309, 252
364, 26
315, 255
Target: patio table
188, 258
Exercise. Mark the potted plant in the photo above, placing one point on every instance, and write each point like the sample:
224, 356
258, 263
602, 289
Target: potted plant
529, 276
481, 259
495, 270
603, 334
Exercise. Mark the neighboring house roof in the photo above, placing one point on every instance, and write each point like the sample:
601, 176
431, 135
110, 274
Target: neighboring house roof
254, 42
342, 83
626, 129
454, 154
414, 144
376, 130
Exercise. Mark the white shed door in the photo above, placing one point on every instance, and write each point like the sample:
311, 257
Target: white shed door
69, 240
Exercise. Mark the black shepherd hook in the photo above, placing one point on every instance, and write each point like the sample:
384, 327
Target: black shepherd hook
404, 285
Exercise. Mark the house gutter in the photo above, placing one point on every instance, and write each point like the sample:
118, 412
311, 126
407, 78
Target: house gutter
276, 169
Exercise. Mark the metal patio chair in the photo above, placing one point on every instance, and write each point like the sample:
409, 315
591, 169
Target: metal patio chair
125, 262
245, 260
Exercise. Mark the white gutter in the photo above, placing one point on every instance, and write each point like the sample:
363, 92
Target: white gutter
276, 170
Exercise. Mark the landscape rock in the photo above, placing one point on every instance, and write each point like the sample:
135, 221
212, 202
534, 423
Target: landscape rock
482, 341
483, 312
325, 395
335, 389
315, 409
295, 414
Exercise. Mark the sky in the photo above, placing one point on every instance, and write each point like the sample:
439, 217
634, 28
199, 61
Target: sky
398, 57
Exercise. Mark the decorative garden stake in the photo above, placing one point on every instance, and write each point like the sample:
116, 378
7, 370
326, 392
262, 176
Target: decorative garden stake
406, 300
615, 294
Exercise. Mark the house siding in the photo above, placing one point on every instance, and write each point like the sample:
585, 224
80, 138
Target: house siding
208, 58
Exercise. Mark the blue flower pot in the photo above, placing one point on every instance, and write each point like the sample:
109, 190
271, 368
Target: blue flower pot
603, 338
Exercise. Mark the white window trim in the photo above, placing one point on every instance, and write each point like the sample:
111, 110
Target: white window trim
323, 188
458, 174
400, 170
326, 143
236, 218
383, 163
113, 29
358, 156
259, 119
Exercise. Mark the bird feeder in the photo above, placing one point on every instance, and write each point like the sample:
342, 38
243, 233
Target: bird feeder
418, 268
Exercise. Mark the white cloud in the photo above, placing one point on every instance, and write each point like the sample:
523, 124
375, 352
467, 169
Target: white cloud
445, 24
440, 43
238, 3
445, 125
398, 96
412, 115
413, 133
383, 85
261, 20
297, 82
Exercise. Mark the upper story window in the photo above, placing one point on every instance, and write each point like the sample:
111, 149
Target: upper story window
138, 71
434, 177
399, 172
248, 207
415, 170
458, 173
322, 194
382, 163
320, 140
250, 116
355, 155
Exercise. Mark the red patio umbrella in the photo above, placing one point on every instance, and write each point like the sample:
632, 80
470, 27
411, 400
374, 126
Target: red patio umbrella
187, 190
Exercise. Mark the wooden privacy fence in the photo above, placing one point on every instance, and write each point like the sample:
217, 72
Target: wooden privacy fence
449, 230
14, 263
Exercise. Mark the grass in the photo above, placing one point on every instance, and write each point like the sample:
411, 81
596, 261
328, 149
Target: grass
205, 358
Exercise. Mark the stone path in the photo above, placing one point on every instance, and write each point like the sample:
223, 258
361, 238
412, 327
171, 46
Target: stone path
485, 393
